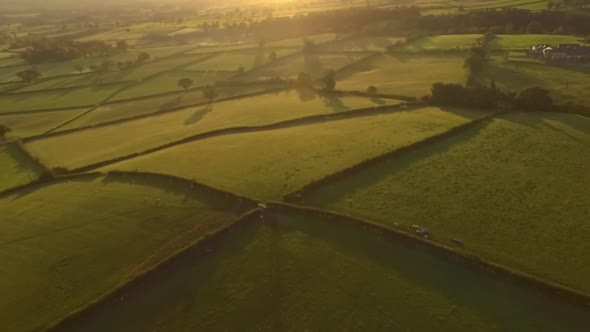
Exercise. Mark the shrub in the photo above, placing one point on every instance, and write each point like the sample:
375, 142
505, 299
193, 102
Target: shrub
372, 90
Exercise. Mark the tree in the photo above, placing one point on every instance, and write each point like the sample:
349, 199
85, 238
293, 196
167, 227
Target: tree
122, 45
534, 27
241, 69
210, 92
4, 130
303, 80
372, 90
142, 57
185, 83
108, 66
329, 80
93, 68
272, 56
29, 76
533, 99
80, 68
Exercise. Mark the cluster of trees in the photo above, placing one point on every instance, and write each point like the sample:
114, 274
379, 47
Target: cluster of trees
54, 50
4, 130
29, 75
529, 99
209, 91
475, 61
325, 83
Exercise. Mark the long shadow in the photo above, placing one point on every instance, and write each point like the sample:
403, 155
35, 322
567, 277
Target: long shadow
171, 104
313, 65
305, 94
334, 102
198, 115
338, 190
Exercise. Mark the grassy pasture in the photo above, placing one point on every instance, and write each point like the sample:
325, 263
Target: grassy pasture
12, 61
298, 42
294, 273
222, 48
564, 82
314, 64
126, 109
513, 190
359, 44
65, 244
25, 125
280, 161
41, 100
154, 52
94, 145
442, 42
16, 168
230, 61
168, 82
62, 82
403, 74
8, 74
526, 41
141, 72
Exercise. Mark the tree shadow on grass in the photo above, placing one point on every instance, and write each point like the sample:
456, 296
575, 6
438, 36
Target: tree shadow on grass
369, 176
198, 115
378, 101
305, 94
171, 104
334, 102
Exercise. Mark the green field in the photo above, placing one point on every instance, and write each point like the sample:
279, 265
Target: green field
43, 100
280, 161
514, 190
294, 273
126, 109
8, 74
527, 41
66, 244
298, 42
16, 168
314, 64
25, 125
231, 61
442, 42
564, 82
62, 82
403, 74
94, 145
359, 44
168, 82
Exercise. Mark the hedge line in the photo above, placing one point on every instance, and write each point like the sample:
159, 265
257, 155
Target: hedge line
377, 95
90, 109
52, 132
317, 184
16, 92
247, 129
46, 110
243, 203
210, 239
48, 181
550, 288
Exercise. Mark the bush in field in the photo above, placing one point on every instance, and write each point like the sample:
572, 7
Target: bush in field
142, 57
93, 68
4, 130
185, 83
458, 95
29, 76
241, 69
329, 81
533, 99
122, 46
210, 93
108, 66
272, 56
80, 68
372, 90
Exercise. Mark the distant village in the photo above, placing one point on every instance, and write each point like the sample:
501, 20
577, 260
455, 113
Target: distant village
562, 53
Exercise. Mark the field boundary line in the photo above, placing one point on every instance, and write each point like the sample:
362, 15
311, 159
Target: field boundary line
548, 287
315, 185
127, 87
48, 110
116, 292
53, 133
17, 93
365, 112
